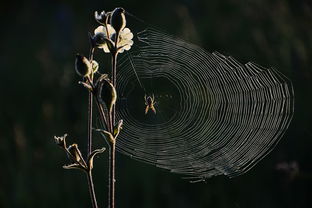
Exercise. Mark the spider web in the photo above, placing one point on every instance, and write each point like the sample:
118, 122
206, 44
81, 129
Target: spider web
215, 116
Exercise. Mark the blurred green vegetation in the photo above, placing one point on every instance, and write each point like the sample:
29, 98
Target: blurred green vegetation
41, 98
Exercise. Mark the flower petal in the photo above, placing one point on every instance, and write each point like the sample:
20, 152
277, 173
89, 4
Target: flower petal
126, 42
100, 29
111, 30
126, 34
105, 48
126, 47
126, 30
130, 42
74, 166
91, 156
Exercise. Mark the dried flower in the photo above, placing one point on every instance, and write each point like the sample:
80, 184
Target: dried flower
124, 42
91, 156
102, 18
75, 153
60, 141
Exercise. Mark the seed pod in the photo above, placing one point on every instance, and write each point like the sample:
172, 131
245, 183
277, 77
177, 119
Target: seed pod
106, 92
118, 19
82, 66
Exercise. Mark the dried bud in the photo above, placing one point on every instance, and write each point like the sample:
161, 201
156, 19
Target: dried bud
117, 128
75, 152
106, 92
102, 18
60, 141
118, 19
95, 66
82, 66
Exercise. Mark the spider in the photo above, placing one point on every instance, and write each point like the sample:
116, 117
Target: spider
150, 103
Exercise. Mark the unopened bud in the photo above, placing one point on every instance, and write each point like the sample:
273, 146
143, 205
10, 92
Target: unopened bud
82, 66
106, 92
118, 19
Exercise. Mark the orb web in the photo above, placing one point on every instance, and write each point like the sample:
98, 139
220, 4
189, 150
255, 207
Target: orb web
214, 115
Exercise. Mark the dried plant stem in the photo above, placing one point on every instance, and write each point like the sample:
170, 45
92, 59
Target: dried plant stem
90, 109
112, 180
114, 66
102, 114
90, 112
89, 173
91, 189
112, 150
90, 124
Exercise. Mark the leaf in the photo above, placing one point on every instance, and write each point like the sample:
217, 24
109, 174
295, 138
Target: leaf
74, 166
91, 156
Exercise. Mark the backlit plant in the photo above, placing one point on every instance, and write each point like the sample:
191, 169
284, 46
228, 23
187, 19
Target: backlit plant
113, 38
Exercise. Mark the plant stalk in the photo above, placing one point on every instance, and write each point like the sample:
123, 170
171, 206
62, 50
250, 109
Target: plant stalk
90, 112
91, 190
90, 109
89, 146
112, 149
102, 115
114, 64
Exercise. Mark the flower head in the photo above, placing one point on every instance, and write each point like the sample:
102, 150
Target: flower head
124, 41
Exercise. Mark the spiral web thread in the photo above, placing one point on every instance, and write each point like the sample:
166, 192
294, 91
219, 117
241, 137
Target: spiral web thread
217, 117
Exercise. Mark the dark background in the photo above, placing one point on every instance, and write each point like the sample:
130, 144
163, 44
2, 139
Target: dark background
40, 98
